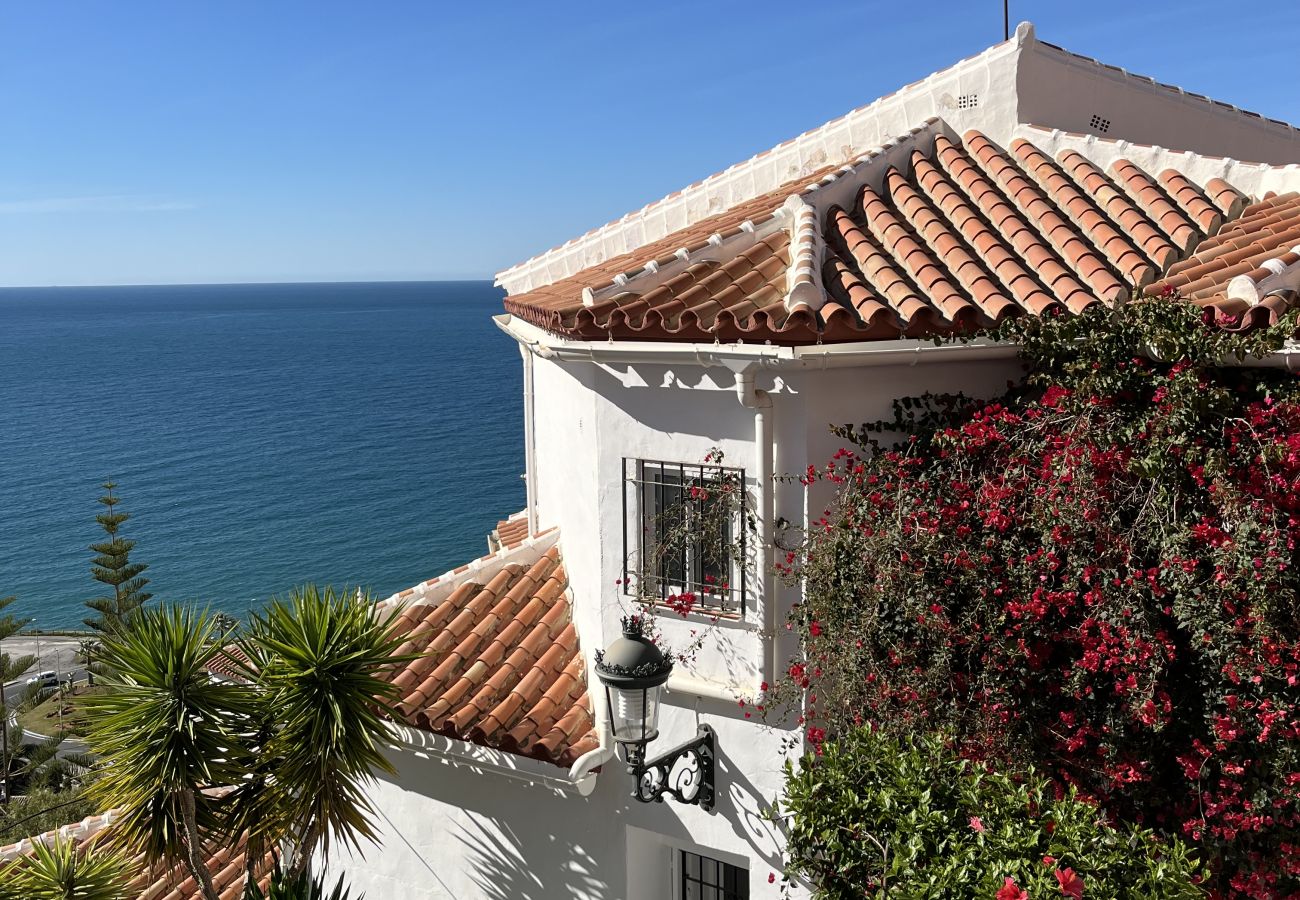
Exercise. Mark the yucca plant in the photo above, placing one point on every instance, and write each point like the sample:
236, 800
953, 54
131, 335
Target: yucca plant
299, 887
166, 732
59, 870
295, 740
318, 658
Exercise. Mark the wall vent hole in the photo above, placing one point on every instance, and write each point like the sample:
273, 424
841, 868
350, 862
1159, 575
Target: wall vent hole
1097, 123
968, 101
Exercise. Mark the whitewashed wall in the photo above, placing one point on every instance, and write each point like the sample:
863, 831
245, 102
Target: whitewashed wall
450, 831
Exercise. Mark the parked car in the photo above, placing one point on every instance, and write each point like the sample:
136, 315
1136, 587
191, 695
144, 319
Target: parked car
45, 680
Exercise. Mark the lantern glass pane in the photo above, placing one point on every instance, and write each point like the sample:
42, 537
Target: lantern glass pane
634, 714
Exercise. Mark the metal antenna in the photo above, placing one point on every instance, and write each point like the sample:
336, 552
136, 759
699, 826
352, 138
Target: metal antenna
1006, 20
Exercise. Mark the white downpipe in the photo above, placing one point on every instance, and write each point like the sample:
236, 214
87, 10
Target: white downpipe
760, 402
583, 770
530, 451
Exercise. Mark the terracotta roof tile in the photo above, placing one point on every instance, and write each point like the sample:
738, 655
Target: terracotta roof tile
1188, 196
1103, 234
509, 533
951, 236
1120, 209
1234, 272
560, 295
229, 662
499, 663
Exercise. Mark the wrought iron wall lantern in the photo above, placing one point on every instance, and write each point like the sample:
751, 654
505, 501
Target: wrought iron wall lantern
633, 671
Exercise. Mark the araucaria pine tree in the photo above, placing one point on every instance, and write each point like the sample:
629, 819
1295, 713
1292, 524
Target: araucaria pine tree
112, 567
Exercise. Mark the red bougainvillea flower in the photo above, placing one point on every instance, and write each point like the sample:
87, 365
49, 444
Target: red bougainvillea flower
815, 629
976, 824
1011, 891
1071, 883
771, 877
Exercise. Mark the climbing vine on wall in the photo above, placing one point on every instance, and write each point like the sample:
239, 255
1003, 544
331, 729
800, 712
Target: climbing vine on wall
1096, 574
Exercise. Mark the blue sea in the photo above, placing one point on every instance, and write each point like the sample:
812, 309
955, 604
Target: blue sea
262, 436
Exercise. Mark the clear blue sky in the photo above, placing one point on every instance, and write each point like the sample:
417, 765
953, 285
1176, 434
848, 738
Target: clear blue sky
271, 141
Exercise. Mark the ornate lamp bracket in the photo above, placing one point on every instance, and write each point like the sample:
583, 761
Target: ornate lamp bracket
684, 773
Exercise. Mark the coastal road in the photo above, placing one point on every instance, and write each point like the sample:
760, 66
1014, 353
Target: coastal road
55, 654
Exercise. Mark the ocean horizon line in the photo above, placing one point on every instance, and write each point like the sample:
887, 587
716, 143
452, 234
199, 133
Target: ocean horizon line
174, 284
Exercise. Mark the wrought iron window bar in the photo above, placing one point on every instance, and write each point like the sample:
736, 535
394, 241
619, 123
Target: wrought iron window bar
661, 496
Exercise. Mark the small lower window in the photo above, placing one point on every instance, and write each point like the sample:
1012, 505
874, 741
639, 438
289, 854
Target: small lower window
708, 879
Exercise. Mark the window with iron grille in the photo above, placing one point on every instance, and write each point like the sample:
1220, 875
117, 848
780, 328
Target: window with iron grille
684, 535
708, 879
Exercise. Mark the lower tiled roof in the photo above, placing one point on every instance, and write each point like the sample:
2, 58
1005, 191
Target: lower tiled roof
509, 533
497, 660
230, 662
1245, 272
226, 864
955, 235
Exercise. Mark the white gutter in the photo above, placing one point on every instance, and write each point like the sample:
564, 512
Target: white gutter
1287, 358
583, 770
530, 451
462, 754
735, 356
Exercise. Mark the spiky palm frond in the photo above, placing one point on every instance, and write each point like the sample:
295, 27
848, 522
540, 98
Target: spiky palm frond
83, 761
12, 667
40, 754
42, 767
9, 889
299, 887
59, 870
166, 731
320, 656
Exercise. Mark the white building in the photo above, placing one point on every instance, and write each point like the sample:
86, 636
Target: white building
747, 312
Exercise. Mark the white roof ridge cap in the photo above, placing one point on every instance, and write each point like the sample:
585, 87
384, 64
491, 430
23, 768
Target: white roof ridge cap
523, 272
1190, 96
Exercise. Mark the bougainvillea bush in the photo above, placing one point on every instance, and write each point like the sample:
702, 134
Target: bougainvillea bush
1095, 574
930, 824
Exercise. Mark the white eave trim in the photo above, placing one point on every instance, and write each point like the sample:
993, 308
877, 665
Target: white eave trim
464, 755
76, 832
902, 352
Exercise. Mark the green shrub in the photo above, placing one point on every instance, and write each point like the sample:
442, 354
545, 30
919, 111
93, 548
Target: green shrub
872, 817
